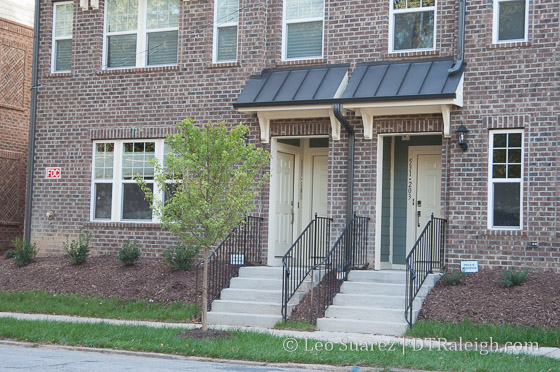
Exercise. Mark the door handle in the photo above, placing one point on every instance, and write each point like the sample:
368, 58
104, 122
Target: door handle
419, 214
292, 215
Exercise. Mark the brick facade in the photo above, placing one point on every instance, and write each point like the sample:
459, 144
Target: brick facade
16, 50
513, 85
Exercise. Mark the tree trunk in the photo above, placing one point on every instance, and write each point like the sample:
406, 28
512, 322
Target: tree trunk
205, 291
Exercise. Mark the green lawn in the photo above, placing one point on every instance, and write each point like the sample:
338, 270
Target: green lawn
299, 325
500, 333
47, 303
266, 348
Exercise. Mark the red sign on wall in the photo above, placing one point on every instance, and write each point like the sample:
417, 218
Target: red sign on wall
53, 172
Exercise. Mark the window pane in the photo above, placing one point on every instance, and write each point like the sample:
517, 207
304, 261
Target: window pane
414, 30
103, 199
121, 51
64, 20
500, 140
162, 14
227, 11
137, 160
514, 140
512, 20
170, 190
413, 4
514, 171
104, 161
122, 15
63, 55
499, 156
227, 44
162, 48
300, 9
135, 206
507, 204
499, 171
514, 156
399, 4
305, 40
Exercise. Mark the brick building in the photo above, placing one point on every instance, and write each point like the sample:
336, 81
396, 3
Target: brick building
116, 75
16, 50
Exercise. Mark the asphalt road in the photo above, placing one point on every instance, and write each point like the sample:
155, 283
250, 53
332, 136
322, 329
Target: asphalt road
48, 359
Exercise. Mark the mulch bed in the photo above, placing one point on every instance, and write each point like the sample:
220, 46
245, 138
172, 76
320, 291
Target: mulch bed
103, 276
483, 299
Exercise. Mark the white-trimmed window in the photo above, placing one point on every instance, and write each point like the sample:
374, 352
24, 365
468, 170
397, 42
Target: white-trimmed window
63, 22
412, 25
303, 29
506, 180
226, 18
141, 33
116, 195
511, 19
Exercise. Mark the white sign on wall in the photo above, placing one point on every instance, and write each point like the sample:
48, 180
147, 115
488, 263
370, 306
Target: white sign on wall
469, 266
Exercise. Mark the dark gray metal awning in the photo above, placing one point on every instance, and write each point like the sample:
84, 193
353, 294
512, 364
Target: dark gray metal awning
294, 86
402, 80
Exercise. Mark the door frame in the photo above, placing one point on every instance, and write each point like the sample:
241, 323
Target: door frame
378, 265
412, 170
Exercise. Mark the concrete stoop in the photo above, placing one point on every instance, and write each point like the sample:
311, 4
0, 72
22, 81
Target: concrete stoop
253, 299
373, 302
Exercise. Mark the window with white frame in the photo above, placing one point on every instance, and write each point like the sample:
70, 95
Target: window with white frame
116, 195
511, 18
506, 179
141, 33
226, 18
303, 29
63, 22
412, 25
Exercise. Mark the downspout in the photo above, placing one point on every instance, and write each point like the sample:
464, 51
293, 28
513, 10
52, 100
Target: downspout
32, 125
460, 39
350, 162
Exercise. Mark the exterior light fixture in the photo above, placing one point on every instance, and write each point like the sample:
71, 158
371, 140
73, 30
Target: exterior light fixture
462, 137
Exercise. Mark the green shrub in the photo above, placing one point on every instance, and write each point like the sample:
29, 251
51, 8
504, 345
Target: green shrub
129, 253
179, 257
513, 278
453, 277
10, 253
24, 253
78, 250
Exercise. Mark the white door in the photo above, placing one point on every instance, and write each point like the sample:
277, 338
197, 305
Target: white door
284, 203
424, 191
320, 185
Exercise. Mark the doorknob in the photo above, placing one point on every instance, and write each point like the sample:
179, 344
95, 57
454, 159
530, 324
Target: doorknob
292, 215
419, 214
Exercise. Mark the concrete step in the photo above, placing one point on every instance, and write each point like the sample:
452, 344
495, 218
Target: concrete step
361, 326
394, 315
370, 288
385, 276
378, 301
233, 306
244, 320
263, 272
264, 284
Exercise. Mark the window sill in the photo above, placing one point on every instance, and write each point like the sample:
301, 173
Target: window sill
510, 45
496, 233
123, 225
217, 65
54, 75
413, 53
137, 70
299, 62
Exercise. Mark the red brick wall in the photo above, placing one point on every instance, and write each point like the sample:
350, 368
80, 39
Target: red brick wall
16, 50
502, 85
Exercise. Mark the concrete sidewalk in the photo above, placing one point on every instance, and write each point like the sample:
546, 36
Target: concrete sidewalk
294, 339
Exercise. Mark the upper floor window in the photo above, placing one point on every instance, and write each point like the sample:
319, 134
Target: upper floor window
510, 20
141, 33
506, 179
303, 29
63, 22
226, 15
412, 25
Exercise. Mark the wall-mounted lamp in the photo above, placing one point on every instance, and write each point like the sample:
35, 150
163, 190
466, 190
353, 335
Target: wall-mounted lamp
462, 137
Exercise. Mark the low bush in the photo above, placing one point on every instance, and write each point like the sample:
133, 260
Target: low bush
179, 257
513, 278
129, 253
78, 251
10, 253
24, 253
453, 277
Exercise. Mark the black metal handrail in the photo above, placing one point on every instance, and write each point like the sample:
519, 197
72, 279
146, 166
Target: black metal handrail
309, 248
426, 255
348, 252
240, 248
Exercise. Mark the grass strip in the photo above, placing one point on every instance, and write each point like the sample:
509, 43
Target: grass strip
298, 325
500, 333
266, 348
43, 302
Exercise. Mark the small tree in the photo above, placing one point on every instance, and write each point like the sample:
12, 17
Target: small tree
210, 179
